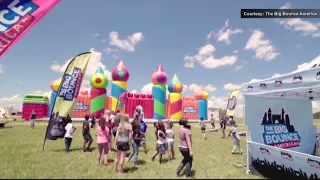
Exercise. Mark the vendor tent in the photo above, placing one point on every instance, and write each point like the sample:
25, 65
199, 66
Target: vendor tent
281, 135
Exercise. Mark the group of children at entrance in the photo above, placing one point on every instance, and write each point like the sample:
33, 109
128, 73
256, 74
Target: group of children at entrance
133, 135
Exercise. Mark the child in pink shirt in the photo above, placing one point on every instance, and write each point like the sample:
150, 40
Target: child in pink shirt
103, 134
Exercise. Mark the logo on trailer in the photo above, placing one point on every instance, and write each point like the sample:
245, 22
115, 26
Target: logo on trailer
249, 88
278, 83
286, 156
297, 79
264, 151
263, 86
313, 163
278, 131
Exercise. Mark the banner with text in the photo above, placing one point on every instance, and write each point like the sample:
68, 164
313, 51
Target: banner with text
67, 95
283, 123
277, 163
18, 17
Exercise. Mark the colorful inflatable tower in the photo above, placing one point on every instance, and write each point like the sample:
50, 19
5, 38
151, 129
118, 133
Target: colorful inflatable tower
120, 77
54, 87
98, 82
201, 97
175, 88
159, 81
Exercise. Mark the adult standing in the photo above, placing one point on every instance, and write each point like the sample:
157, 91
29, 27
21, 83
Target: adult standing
203, 128
223, 124
185, 148
33, 119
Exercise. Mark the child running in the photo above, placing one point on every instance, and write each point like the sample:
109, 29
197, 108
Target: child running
87, 139
136, 137
170, 141
236, 139
103, 132
161, 142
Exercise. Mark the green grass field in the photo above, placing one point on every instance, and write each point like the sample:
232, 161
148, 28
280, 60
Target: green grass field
21, 157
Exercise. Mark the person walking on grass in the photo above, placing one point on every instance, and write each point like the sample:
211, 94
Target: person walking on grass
203, 128
70, 129
223, 124
123, 139
33, 119
170, 141
87, 139
236, 139
103, 132
161, 142
185, 148
143, 130
136, 137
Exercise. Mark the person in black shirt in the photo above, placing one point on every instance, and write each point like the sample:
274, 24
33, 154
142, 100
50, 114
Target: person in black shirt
136, 139
87, 139
93, 121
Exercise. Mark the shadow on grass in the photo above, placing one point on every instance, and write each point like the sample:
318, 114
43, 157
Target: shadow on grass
73, 149
132, 169
193, 173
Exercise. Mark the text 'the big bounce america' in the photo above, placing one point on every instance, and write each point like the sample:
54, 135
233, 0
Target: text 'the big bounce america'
278, 131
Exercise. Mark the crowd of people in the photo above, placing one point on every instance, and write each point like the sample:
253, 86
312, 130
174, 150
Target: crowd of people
115, 133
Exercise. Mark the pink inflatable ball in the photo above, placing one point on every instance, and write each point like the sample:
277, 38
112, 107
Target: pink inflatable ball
136, 95
149, 96
143, 96
159, 77
130, 95
120, 73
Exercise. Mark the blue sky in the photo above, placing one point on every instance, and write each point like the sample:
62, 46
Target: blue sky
146, 33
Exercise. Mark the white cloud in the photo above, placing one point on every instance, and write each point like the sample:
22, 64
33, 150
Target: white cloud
237, 68
206, 59
231, 87
299, 25
94, 63
254, 80
127, 44
11, 99
195, 88
44, 93
1, 68
298, 46
263, 47
20, 82
224, 34
96, 35
235, 52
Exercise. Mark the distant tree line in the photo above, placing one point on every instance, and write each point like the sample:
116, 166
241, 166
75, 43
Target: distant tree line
222, 112
316, 115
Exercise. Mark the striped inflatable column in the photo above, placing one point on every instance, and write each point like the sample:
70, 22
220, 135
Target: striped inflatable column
202, 97
120, 77
159, 81
175, 88
98, 82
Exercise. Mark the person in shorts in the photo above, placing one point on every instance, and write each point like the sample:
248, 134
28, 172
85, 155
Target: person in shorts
203, 127
123, 139
170, 141
103, 140
212, 121
161, 142
33, 119
116, 122
87, 139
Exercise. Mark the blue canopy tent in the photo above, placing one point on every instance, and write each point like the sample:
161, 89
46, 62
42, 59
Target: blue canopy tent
281, 137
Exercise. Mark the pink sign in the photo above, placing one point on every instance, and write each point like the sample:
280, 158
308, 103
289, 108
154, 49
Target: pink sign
18, 17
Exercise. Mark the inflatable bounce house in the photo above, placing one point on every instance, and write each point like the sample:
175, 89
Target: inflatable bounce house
38, 103
155, 106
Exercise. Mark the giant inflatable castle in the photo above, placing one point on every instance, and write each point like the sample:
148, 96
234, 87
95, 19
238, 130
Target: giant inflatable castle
155, 106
